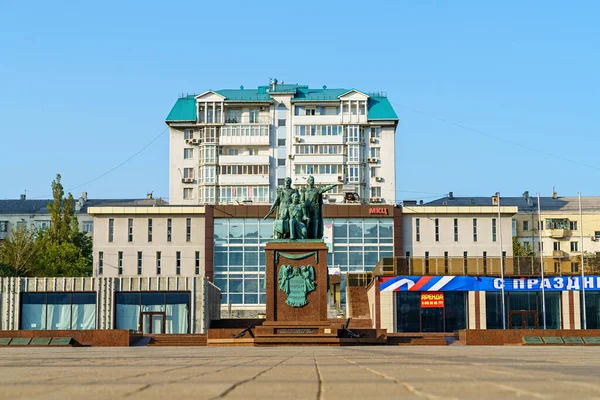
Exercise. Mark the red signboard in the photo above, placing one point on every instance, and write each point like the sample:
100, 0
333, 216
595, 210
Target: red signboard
432, 299
378, 211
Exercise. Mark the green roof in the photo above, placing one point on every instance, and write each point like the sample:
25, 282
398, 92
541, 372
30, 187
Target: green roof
185, 107
183, 110
380, 108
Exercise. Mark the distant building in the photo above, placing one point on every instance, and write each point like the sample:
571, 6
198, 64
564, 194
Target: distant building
34, 213
237, 146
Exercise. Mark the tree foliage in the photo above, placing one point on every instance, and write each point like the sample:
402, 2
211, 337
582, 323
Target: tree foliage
61, 250
520, 250
592, 263
18, 253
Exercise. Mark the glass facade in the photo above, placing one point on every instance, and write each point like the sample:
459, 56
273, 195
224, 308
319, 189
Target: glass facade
411, 317
175, 306
58, 311
592, 309
523, 310
239, 252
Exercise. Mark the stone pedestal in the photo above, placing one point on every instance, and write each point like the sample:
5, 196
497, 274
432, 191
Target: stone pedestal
315, 254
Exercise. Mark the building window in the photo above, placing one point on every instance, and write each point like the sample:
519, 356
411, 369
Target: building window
188, 193
100, 262
493, 229
188, 229
197, 271
353, 175
281, 122
375, 152
169, 229
418, 229
188, 154
375, 132
188, 134
120, 263
437, 229
158, 262
465, 262
188, 173
111, 230
573, 225
556, 246
139, 263
88, 227
574, 246
149, 229
376, 192
525, 225
281, 142
130, 230
374, 172
58, 311
474, 229
525, 245
574, 266
596, 234
427, 260
485, 262
456, 229
445, 262
3, 226
281, 162
178, 263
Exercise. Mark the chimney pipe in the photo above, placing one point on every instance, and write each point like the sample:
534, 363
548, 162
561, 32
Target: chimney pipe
84, 196
23, 197
149, 196
450, 195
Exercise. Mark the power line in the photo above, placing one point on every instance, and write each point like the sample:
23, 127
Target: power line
116, 167
479, 132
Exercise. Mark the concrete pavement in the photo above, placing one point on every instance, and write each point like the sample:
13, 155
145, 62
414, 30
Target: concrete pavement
300, 373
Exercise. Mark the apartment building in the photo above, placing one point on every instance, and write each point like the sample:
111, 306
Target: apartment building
33, 214
236, 146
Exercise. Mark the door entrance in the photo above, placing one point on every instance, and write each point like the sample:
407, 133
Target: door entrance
524, 320
153, 322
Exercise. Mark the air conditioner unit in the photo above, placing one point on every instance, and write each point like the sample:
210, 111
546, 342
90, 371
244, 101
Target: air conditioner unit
378, 179
373, 140
375, 200
594, 239
297, 139
187, 180
291, 156
372, 160
194, 141
340, 178
262, 108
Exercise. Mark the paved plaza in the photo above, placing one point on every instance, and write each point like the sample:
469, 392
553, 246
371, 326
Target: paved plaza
300, 373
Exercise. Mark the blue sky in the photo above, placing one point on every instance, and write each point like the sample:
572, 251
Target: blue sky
491, 97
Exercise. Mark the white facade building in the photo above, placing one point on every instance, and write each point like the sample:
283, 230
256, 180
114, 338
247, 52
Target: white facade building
236, 146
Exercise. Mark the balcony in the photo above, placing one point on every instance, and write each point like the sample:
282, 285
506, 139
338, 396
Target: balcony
244, 160
245, 180
245, 134
559, 254
245, 120
317, 119
558, 233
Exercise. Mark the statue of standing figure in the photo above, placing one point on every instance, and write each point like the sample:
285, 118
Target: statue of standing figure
312, 197
283, 200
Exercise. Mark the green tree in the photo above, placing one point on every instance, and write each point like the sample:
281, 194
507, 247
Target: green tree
18, 253
592, 263
63, 250
519, 250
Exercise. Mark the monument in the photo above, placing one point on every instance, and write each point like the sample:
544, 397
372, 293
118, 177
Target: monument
296, 270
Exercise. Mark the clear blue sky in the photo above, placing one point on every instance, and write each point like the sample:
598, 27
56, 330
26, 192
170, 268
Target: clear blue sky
85, 85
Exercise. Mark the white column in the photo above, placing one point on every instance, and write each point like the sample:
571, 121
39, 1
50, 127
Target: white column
205, 111
471, 310
482, 311
565, 310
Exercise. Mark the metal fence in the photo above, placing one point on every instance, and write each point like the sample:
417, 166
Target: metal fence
477, 266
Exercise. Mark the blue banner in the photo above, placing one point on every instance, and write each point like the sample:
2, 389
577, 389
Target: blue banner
474, 283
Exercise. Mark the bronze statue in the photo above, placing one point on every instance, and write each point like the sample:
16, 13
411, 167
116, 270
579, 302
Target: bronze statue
283, 199
296, 216
312, 197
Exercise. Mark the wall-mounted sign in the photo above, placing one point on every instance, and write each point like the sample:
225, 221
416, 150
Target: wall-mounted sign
432, 300
378, 210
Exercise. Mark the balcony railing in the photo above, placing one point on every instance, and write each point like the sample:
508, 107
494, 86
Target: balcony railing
477, 266
558, 233
248, 120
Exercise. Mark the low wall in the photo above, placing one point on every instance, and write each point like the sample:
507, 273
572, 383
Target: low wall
103, 338
499, 337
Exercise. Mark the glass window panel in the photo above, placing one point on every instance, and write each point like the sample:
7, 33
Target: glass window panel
251, 284
385, 229
236, 231
455, 311
221, 283
251, 299
58, 311
236, 258
235, 298
251, 232
33, 311
221, 231
408, 305
251, 259
84, 311
236, 284
153, 301
340, 257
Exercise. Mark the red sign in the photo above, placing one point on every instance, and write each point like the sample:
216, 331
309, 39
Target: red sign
432, 300
378, 211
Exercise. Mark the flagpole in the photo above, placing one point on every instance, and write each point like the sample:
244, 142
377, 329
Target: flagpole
541, 260
501, 262
582, 263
